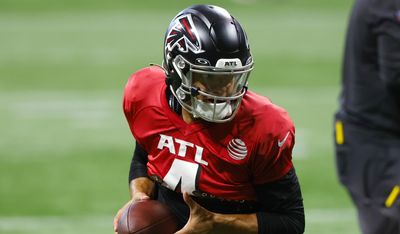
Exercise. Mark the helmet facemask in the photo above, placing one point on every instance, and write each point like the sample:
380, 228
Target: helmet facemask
211, 93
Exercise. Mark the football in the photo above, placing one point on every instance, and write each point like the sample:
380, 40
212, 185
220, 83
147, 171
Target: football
147, 217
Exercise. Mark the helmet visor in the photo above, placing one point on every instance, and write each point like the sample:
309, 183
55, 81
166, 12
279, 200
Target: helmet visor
218, 86
215, 92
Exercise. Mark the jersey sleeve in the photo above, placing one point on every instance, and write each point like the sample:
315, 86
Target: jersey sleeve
274, 154
130, 104
141, 92
128, 101
137, 91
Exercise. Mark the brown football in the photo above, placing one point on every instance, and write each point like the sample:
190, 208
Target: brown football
147, 217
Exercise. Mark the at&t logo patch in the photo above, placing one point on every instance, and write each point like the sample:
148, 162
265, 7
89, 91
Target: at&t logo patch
237, 149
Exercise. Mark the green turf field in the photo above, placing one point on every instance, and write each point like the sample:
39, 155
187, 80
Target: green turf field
65, 147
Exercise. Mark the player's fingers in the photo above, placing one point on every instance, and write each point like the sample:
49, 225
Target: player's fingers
118, 215
140, 197
116, 219
115, 224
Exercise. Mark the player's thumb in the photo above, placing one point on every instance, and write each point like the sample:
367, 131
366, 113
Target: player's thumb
184, 230
189, 201
118, 216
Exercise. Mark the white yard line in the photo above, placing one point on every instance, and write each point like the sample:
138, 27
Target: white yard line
314, 216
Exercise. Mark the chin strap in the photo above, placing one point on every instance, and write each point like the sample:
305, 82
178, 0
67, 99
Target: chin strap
173, 103
194, 91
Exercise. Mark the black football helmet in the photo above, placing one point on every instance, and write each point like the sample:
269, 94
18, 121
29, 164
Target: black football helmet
207, 59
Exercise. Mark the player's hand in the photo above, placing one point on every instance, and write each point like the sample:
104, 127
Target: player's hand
200, 220
138, 196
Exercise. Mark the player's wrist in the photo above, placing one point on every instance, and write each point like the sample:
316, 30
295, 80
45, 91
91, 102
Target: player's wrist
217, 219
235, 223
141, 188
223, 220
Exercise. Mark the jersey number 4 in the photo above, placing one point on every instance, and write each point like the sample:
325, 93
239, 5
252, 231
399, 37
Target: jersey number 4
183, 173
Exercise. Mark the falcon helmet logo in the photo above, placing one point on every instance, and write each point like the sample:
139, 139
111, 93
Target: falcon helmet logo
184, 35
237, 149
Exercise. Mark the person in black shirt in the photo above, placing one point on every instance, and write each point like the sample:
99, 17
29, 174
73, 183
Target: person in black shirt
367, 126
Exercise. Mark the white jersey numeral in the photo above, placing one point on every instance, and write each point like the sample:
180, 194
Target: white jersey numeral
184, 172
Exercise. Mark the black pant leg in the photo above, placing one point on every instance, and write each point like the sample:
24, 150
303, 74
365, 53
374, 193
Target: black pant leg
368, 165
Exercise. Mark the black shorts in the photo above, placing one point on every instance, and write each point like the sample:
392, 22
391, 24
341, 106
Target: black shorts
368, 165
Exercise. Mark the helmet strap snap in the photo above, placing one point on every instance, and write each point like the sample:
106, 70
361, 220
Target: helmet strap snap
194, 91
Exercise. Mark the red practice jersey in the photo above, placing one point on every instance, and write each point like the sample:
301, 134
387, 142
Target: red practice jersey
223, 160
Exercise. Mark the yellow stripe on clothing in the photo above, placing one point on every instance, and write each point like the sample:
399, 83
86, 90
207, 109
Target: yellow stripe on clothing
339, 133
392, 196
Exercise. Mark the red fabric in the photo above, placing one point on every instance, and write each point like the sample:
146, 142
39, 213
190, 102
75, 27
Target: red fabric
257, 128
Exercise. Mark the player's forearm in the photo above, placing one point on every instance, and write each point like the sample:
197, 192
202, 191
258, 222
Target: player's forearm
141, 185
235, 223
138, 166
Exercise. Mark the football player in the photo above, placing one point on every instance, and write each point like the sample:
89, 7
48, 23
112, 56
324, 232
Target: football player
219, 155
